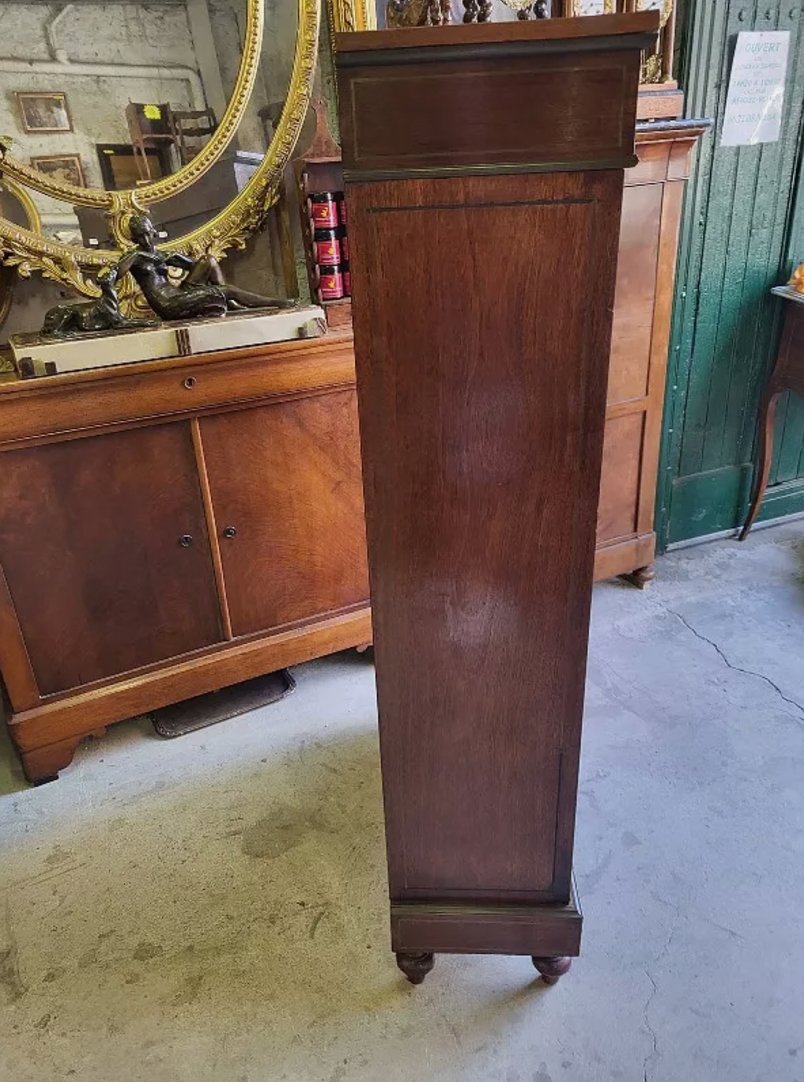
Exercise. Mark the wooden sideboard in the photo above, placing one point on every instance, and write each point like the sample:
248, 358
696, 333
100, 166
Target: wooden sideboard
101, 618
651, 218
171, 528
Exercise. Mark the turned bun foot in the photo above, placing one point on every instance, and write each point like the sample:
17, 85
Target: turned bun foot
552, 968
415, 966
641, 577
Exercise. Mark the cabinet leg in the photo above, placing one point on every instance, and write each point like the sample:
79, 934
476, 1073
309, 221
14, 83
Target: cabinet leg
43, 764
641, 576
767, 418
415, 966
552, 968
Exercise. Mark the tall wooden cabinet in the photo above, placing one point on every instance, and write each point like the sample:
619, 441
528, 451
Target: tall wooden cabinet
171, 528
484, 227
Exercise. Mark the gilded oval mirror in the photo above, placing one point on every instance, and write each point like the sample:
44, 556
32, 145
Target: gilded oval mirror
187, 109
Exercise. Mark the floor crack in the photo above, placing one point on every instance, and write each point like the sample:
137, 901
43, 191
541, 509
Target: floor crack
737, 668
654, 988
655, 1049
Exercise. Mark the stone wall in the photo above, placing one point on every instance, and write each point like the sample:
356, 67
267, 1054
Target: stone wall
92, 52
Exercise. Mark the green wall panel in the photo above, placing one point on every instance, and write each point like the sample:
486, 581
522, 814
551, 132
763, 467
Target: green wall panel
743, 229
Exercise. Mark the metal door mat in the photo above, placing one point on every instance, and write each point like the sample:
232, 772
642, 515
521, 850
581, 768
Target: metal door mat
204, 710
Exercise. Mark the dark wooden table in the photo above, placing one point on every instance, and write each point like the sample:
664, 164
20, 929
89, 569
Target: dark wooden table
787, 375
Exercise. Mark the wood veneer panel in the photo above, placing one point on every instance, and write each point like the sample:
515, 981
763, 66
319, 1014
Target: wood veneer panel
620, 480
286, 478
482, 401
635, 295
480, 113
90, 546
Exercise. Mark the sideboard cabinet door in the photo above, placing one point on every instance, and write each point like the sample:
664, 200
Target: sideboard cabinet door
286, 491
104, 547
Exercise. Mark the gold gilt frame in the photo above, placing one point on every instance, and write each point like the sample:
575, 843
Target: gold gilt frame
165, 187
71, 265
611, 6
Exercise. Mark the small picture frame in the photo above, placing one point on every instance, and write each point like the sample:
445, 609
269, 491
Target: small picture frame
44, 112
64, 168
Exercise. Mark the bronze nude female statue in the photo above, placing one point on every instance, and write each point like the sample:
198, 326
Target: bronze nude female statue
202, 294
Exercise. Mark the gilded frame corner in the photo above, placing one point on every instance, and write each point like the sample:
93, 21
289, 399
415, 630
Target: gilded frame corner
31, 252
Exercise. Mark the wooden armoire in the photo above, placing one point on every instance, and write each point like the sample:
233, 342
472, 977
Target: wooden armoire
643, 301
484, 183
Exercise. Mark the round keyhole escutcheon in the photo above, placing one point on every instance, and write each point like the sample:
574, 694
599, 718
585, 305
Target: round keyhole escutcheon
230, 532
186, 540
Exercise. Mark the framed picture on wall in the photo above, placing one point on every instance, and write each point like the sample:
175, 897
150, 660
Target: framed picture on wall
119, 168
65, 168
44, 112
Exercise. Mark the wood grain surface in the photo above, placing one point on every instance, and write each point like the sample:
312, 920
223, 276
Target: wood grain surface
473, 115
482, 371
286, 479
92, 551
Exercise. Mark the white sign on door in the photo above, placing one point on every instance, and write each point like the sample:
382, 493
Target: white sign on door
756, 88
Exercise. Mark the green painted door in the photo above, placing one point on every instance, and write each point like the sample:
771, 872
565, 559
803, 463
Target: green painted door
743, 232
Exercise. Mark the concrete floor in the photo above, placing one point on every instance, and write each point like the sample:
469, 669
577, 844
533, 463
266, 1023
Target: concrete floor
212, 909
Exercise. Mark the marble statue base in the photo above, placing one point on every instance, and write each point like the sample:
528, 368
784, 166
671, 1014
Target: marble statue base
40, 355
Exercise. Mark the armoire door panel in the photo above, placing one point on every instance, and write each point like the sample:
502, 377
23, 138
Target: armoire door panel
620, 479
288, 503
104, 547
482, 441
635, 295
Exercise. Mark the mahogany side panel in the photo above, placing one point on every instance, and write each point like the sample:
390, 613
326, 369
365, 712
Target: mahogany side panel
620, 478
482, 428
635, 296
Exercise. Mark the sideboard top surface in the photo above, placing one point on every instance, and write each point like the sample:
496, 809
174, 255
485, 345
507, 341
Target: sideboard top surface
56, 406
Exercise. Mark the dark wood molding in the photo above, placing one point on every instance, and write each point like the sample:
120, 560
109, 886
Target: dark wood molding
570, 33
551, 929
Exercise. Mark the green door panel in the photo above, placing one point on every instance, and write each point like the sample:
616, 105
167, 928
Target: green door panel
743, 230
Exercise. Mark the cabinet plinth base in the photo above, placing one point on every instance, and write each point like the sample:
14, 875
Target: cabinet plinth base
549, 933
43, 764
88, 711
